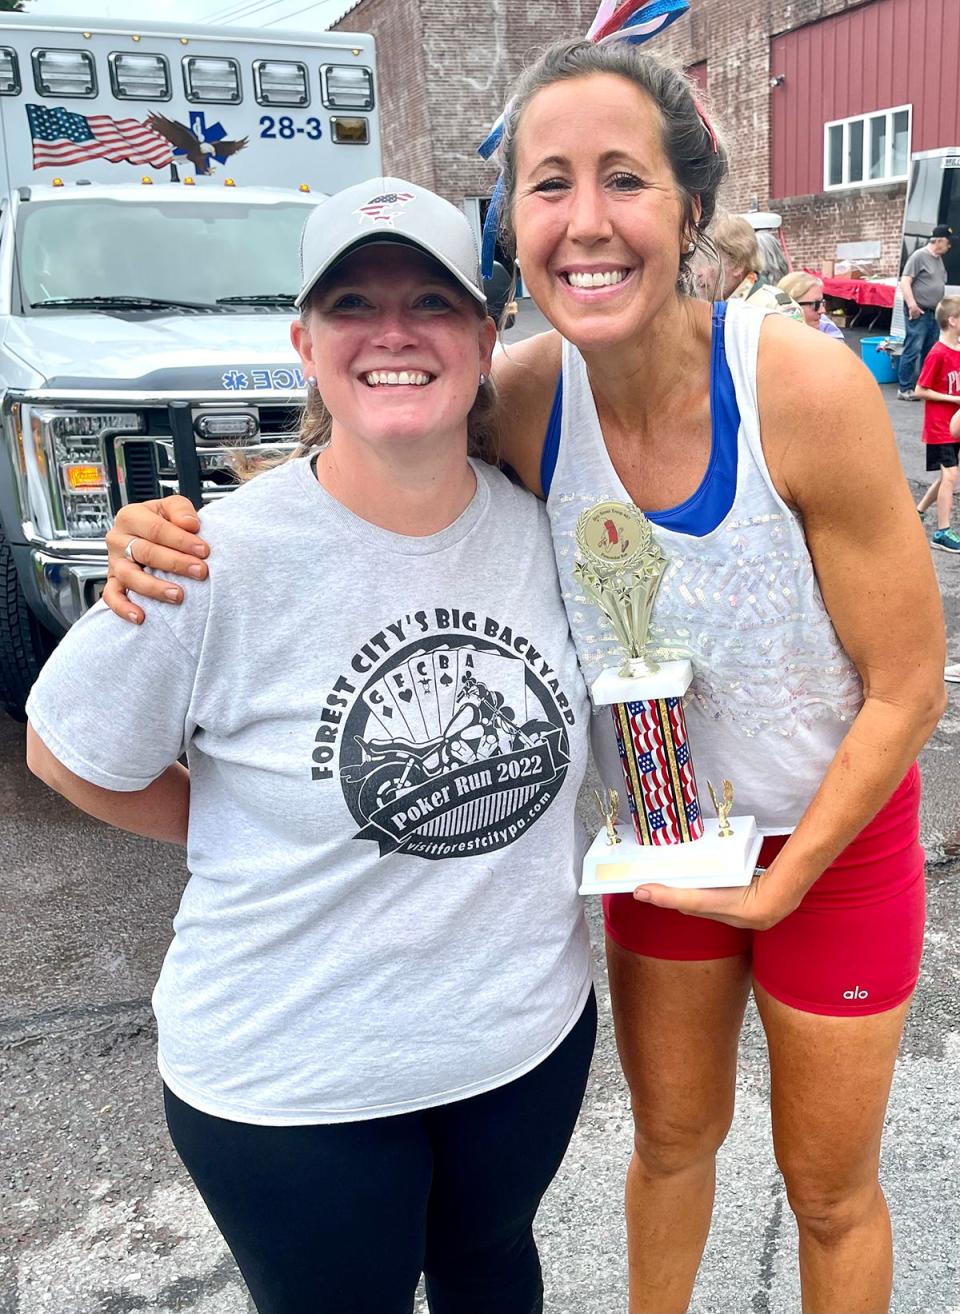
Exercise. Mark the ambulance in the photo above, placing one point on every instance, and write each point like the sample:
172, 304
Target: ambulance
153, 184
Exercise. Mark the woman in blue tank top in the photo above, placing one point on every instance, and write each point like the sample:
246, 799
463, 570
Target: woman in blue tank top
611, 172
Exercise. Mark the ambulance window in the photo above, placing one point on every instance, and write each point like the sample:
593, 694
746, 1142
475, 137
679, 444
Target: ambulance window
346, 87
64, 73
280, 82
9, 72
139, 77
211, 81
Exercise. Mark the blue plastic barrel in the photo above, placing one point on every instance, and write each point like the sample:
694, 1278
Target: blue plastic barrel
880, 363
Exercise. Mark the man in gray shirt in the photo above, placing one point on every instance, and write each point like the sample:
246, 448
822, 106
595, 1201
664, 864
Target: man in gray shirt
922, 283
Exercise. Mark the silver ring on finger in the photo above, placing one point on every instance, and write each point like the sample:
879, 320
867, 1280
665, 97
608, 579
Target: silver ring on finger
128, 551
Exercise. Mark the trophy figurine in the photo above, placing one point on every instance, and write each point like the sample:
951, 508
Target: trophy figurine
609, 804
619, 569
724, 829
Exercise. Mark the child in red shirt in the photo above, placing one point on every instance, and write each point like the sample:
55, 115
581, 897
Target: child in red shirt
939, 387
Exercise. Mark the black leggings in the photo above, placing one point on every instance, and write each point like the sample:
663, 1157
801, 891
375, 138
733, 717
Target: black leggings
343, 1218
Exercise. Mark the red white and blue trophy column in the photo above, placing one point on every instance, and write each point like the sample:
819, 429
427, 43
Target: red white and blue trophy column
670, 842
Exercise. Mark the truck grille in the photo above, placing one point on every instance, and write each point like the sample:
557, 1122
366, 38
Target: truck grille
157, 463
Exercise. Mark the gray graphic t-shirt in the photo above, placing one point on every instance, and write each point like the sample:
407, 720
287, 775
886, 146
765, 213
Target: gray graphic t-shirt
386, 736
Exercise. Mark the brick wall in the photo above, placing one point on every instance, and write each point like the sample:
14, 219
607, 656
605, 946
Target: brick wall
815, 224
445, 70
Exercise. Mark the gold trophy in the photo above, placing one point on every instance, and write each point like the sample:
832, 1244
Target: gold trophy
669, 842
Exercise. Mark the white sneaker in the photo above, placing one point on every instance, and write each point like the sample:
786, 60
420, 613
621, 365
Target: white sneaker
952, 673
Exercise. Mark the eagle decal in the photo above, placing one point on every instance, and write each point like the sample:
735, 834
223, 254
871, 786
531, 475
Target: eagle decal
200, 153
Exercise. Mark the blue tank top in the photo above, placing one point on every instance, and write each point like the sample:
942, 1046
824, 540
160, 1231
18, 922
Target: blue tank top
705, 508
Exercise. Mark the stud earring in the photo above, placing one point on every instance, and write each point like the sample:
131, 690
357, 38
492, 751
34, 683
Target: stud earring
691, 247
311, 380
483, 379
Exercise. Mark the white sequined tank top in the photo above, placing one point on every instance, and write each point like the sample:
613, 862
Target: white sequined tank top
773, 691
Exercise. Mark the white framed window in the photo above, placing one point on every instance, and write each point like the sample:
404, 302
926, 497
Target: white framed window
65, 73
280, 82
139, 76
346, 87
869, 148
210, 80
9, 72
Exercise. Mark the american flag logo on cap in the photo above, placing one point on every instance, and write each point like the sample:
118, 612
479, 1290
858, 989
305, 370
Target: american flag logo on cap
384, 209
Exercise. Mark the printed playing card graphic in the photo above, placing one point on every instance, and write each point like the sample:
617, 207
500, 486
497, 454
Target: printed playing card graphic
420, 668
401, 683
445, 679
381, 702
452, 747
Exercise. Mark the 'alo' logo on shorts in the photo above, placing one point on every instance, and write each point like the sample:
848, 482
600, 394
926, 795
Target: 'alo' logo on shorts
856, 993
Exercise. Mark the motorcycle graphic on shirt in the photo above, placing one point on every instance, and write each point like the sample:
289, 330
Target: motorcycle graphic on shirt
453, 747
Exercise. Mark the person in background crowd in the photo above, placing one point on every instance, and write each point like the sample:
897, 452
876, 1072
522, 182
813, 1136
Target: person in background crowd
376, 1016
800, 586
939, 387
923, 282
807, 292
741, 269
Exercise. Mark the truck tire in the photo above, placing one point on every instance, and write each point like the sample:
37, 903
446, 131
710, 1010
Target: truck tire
24, 643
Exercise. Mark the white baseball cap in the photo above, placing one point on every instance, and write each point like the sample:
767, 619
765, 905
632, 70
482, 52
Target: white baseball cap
388, 210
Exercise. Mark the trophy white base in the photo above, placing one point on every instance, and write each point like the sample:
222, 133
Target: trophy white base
702, 864
672, 680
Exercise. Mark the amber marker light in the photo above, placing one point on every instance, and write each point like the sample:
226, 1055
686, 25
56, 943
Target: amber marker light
350, 130
304, 187
228, 182
80, 477
189, 182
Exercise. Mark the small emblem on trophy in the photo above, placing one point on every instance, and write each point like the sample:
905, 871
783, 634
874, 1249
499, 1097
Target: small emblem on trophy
609, 804
619, 569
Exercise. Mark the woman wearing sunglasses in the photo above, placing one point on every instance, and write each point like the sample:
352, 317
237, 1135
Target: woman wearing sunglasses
807, 292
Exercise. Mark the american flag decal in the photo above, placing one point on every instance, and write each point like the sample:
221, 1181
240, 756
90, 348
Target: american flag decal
61, 137
384, 209
658, 771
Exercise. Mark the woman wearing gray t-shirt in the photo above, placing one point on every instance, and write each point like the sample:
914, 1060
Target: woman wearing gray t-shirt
375, 1018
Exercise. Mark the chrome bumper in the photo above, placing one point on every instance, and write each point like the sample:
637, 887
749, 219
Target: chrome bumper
66, 586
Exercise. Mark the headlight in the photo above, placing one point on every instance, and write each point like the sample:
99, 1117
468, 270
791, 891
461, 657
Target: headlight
70, 452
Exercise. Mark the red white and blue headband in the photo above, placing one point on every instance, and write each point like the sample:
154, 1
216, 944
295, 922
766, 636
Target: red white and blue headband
635, 21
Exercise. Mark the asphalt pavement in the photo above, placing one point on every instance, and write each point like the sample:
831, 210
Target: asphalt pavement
98, 1217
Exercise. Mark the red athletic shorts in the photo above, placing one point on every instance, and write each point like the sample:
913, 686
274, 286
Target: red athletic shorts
852, 947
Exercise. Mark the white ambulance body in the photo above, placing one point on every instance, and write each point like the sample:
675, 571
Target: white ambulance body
153, 184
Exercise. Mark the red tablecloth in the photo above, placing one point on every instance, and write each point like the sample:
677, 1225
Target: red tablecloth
860, 290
